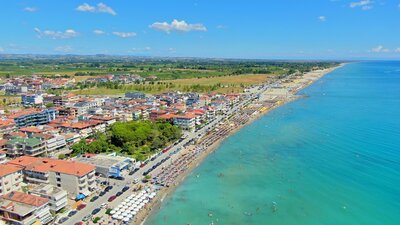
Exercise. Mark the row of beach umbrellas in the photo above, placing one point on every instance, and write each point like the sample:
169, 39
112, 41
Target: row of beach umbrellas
127, 209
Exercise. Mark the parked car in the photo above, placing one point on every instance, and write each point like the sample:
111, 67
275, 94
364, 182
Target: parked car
119, 193
131, 172
102, 193
95, 211
119, 178
103, 205
87, 217
79, 223
125, 188
112, 198
72, 213
94, 198
81, 206
62, 220
135, 181
108, 188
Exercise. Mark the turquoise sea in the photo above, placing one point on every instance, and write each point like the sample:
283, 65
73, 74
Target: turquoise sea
332, 158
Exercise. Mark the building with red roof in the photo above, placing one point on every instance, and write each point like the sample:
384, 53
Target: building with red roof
25, 209
74, 177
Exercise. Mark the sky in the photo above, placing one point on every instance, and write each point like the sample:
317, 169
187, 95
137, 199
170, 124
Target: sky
255, 29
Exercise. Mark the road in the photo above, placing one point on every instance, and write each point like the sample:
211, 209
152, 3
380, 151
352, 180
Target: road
118, 185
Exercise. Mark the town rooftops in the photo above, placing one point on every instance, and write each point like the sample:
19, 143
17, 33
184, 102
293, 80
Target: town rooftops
45, 165
26, 199
30, 129
33, 141
6, 169
6, 123
23, 113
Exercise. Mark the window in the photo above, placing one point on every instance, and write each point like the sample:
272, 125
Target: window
58, 179
58, 185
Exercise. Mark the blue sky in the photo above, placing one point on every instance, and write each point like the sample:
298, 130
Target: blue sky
265, 29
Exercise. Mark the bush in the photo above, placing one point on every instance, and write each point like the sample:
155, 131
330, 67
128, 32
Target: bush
61, 156
95, 220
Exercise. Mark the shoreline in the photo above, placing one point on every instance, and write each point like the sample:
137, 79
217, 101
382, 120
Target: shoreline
305, 81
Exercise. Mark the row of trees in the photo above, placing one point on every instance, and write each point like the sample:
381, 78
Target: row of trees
138, 139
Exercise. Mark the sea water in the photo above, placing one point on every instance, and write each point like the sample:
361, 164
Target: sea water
331, 158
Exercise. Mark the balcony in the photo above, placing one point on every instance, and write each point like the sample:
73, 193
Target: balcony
37, 180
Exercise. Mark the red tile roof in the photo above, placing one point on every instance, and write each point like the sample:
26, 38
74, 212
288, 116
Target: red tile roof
6, 169
28, 199
45, 165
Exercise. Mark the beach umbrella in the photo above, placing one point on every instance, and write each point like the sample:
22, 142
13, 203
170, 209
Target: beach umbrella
130, 216
131, 208
112, 212
126, 219
146, 201
134, 212
114, 217
124, 214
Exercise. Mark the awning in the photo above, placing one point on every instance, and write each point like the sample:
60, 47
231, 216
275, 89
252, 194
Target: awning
80, 197
86, 192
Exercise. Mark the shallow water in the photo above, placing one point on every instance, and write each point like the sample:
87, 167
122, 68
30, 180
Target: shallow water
330, 158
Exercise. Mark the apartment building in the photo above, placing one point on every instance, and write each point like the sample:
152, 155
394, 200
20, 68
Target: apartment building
24, 209
33, 117
7, 126
10, 178
19, 145
186, 121
74, 177
32, 99
57, 197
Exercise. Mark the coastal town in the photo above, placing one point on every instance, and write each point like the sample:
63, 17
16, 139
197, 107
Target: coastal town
52, 171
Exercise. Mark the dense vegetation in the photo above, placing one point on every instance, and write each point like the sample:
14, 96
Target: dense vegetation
138, 139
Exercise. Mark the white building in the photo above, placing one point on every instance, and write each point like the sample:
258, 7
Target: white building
32, 99
186, 122
57, 197
10, 178
74, 177
24, 209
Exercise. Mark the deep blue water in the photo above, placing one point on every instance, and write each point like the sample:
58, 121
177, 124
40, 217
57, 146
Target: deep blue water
331, 158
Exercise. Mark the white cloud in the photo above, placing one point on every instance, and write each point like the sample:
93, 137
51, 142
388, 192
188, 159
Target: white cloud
1, 49
322, 18
99, 32
124, 34
176, 25
397, 50
69, 33
363, 4
171, 50
379, 49
30, 9
63, 48
140, 50
221, 27
100, 8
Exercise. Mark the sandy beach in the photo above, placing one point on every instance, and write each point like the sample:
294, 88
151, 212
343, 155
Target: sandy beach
270, 100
